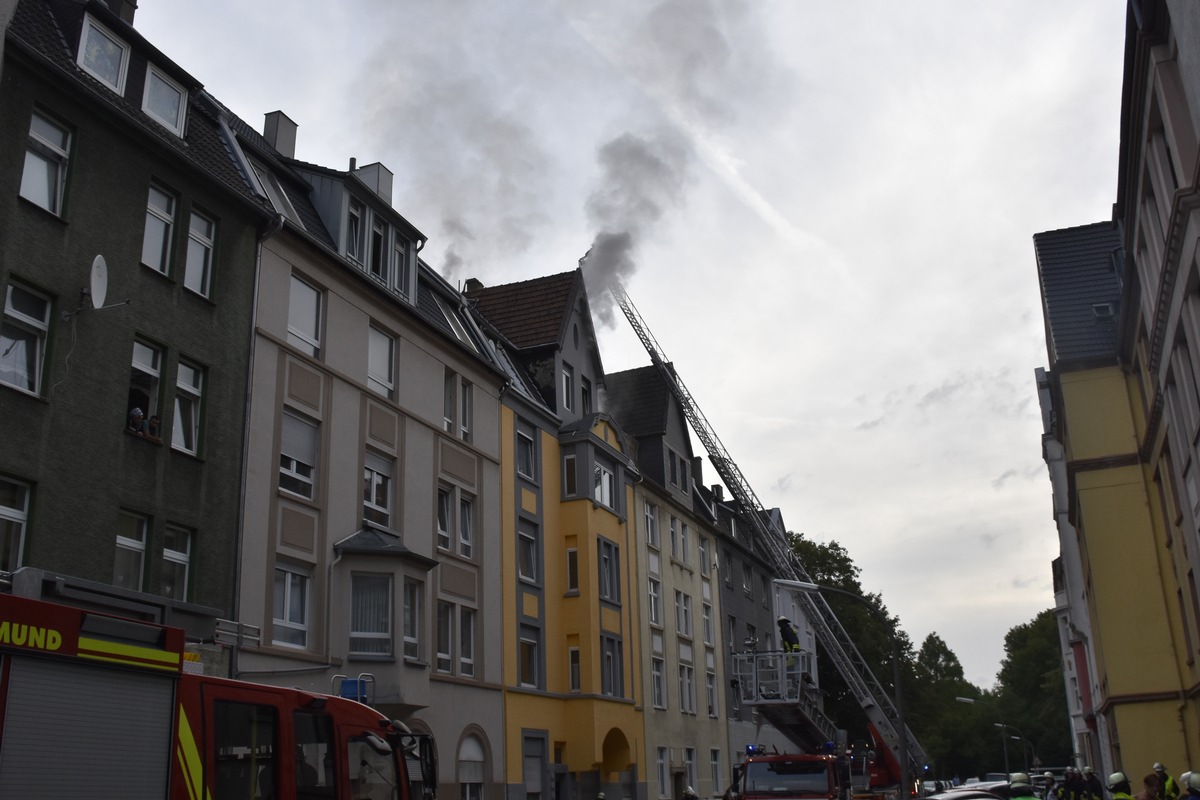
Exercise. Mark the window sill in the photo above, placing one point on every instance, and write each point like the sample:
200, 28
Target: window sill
374, 659
144, 436
41, 208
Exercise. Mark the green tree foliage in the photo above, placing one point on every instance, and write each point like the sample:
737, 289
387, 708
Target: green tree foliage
1031, 689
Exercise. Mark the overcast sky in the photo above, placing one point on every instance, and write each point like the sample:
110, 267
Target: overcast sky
823, 211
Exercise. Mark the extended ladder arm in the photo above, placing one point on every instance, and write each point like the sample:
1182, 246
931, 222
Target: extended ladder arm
876, 703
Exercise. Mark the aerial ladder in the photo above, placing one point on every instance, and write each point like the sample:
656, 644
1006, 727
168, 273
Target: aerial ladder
881, 712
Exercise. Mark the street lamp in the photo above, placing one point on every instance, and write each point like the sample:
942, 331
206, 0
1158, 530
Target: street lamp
902, 732
1001, 725
1031, 754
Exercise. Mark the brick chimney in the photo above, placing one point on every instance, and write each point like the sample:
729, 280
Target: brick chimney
280, 133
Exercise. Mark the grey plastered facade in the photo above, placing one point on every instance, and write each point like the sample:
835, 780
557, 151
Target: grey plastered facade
64, 439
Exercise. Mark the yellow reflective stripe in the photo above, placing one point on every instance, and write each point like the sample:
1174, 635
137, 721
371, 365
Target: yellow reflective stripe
128, 652
130, 662
188, 754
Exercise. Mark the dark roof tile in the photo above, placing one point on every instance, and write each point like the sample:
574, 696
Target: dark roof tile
1081, 291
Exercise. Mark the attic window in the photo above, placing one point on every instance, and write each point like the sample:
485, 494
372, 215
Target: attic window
455, 323
1102, 311
165, 100
102, 55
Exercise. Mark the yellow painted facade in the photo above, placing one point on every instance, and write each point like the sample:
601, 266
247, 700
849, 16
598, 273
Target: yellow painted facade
592, 739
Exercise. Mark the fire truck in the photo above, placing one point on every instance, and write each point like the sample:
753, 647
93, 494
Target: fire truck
100, 706
848, 775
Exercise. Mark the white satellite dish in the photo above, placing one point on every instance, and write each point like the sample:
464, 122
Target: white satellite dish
99, 281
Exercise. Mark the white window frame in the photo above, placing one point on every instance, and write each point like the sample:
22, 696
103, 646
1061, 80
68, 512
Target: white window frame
401, 272
529, 657
445, 516
93, 28
146, 365
163, 240
652, 537
48, 155
455, 323
689, 765
687, 689
356, 223
175, 557
273, 190
14, 520
683, 613
703, 547
466, 641
444, 640
706, 614
296, 630
189, 404
464, 410
371, 638
714, 768
710, 691
658, 682
300, 335
568, 386
662, 762
24, 374
174, 125
603, 486
198, 261
466, 526
526, 456
134, 548
381, 381
654, 588
377, 488
609, 566
378, 261
527, 553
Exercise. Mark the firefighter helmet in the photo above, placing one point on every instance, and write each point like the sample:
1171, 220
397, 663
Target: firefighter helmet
1116, 779
1018, 780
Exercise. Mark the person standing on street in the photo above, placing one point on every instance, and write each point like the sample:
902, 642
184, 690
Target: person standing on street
1049, 787
1019, 786
1092, 785
1168, 789
1118, 786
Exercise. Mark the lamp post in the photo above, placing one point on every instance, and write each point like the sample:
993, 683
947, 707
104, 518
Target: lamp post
1001, 725
1030, 754
902, 732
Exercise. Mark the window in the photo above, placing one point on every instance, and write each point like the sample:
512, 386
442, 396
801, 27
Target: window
747, 577
610, 571
683, 613
466, 642
685, 543
46, 155
585, 396
290, 623
674, 537
381, 362
662, 760
160, 222
143, 383
23, 336
658, 683
573, 671
189, 392
568, 387
103, 55
471, 771
445, 637
525, 455
14, 515
414, 591
612, 680
197, 269
687, 689
379, 254
354, 231
572, 571
703, 547
297, 455
131, 549
304, 317
652, 525
443, 518
528, 656
710, 692
570, 486
274, 191
714, 769
464, 416
689, 765
456, 406
177, 561
706, 614
602, 486
454, 322
371, 615
527, 551
449, 403
377, 489
164, 100
655, 601
402, 273
466, 527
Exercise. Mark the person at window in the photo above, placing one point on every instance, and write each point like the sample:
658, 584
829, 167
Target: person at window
153, 426
136, 423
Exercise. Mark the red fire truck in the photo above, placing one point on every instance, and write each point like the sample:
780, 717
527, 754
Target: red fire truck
853, 775
98, 706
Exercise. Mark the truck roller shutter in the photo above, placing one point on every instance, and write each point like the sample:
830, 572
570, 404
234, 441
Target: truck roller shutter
77, 730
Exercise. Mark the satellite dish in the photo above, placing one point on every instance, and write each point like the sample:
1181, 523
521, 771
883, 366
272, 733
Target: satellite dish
99, 281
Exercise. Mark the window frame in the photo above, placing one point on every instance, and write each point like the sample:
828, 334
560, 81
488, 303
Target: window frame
568, 387
528, 561
652, 533
148, 371
608, 565
357, 633
604, 481
14, 319
289, 475
412, 610
164, 239
383, 385
14, 519
466, 641
51, 154
175, 126
189, 408
179, 558
377, 474
307, 341
295, 577
92, 26
526, 456
206, 245
444, 638
658, 682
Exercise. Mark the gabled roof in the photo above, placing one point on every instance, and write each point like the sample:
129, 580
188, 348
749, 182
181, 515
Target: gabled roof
640, 399
1081, 291
376, 542
530, 314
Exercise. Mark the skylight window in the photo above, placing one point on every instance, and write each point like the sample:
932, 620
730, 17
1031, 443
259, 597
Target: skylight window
165, 100
455, 323
103, 55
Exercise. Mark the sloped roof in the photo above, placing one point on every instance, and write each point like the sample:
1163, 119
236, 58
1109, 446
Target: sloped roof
1081, 291
640, 399
530, 313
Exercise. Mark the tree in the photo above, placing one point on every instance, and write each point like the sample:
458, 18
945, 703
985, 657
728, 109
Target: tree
1031, 688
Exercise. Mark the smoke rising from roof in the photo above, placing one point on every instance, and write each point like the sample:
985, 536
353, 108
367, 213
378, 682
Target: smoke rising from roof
641, 177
